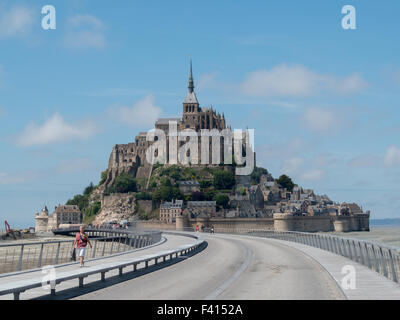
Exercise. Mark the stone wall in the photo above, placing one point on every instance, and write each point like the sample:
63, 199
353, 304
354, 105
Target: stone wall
280, 222
147, 206
116, 207
154, 225
287, 222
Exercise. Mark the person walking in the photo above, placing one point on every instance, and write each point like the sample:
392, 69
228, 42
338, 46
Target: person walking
81, 241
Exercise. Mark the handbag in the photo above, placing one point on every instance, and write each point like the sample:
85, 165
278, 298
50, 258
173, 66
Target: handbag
73, 255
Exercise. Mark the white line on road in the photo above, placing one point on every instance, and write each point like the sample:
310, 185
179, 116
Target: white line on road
236, 275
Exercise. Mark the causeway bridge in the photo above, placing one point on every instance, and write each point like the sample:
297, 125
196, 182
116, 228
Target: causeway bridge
247, 264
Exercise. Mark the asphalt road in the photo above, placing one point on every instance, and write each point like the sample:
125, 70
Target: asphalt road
231, 267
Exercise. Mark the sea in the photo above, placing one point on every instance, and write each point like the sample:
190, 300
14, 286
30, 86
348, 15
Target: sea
383, 231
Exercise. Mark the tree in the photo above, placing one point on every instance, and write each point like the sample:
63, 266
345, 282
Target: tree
88, 190
223, 180
222, 201
209, 195
286, 182
167, 193
79, 200
103, 177
93, 210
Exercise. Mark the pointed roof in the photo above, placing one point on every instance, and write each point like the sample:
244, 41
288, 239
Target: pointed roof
191, 96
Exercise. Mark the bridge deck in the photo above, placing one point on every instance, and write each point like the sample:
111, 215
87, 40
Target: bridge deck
64, 271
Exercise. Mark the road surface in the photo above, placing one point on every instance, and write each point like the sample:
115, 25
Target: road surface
231, 267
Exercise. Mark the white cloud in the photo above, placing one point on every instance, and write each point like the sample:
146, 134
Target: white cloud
392, 157
319, 120
365, 161
206, 80
7, 178
142, 113
85, 31
298, 81
55, 130
17, 21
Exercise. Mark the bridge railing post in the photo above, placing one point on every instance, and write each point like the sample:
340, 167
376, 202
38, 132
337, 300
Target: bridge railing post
20, 258
392, 265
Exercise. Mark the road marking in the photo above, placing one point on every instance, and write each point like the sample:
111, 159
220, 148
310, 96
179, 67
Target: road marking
236, 275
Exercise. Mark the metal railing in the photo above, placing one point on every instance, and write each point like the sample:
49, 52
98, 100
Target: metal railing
32, 255
168, 256
378, 257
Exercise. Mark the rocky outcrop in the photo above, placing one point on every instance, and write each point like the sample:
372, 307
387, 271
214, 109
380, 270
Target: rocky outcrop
116, 207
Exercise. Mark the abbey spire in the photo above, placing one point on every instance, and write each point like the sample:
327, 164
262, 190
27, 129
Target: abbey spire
190, 104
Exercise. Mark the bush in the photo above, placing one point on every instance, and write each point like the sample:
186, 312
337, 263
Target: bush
222, 201
209, 195
167, 193
93, 209
123, 183
204, 184
143, 196
223, 180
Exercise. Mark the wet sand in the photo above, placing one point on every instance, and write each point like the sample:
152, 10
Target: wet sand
388, 235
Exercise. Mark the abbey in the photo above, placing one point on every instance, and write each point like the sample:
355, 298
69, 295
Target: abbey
131, 158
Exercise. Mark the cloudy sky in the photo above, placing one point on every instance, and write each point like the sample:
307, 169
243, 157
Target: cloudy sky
324, 101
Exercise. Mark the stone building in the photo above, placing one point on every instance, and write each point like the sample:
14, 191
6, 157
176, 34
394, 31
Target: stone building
131, 158
169, 210
197, 208
63, 216
188, 187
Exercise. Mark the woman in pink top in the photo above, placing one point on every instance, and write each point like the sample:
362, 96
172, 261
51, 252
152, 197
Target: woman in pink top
81, 240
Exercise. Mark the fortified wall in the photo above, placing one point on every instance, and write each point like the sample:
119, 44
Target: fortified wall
280, 222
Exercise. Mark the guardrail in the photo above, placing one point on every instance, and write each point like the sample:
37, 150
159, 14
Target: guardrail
380, 258
16, 288
30, 255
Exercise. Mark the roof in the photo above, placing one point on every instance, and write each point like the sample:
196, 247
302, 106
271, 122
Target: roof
67, 209
191, 98
167, 120
192, 204
189, 183
177, 204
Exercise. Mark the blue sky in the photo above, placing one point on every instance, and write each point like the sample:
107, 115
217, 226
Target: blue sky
323, 100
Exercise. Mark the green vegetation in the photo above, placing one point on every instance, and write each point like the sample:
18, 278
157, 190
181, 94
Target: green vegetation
92, 211
82, 201
167, 193
123, 183
143, 196
223, 179
103, 177
222, 201
286, 182
241, 191
256, 175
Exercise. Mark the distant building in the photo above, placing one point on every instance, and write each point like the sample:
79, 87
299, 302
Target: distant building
188, 187
196, 208
169, 210
63, 216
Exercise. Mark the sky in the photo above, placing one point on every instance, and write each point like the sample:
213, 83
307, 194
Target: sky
323, 100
